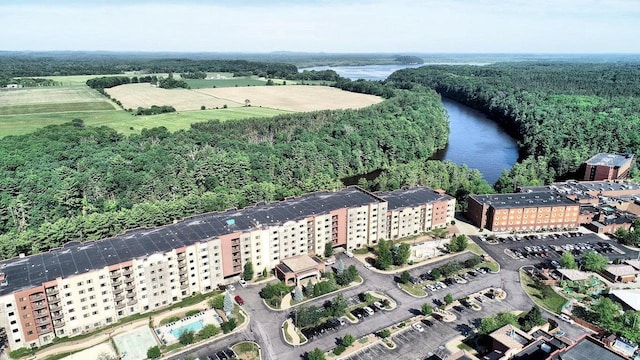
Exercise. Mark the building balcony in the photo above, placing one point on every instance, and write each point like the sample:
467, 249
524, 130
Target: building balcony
127, 271
182, 271
44, 330
131, 295
183, 278
182, 256
43, 321
39, 305
116, 283
52, 291
120, 305
119, 298
128, 279
53, 308
58, 324
115, 274
184, 286
130, 287
117, 291
132, 302
57, 315
41, 314
53, 299
36, 297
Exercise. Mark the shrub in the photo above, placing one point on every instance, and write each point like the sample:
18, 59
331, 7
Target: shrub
384, 333
228, 325
339, 350
153, 352
192, 312
186, 337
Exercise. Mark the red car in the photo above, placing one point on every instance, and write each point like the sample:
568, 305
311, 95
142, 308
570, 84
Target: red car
239, 300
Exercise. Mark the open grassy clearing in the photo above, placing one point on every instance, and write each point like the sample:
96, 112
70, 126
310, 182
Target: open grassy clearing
55, 107
49, 95
204, 84
81, 80
125, 122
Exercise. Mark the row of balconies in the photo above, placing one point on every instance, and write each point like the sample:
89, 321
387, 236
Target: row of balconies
36, 297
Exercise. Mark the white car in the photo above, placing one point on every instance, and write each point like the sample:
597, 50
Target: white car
242, 283
378, 305
566, 318
368, 310
231, 288
349, 254
418, 327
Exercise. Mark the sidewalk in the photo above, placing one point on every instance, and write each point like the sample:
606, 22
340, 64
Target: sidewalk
72, 346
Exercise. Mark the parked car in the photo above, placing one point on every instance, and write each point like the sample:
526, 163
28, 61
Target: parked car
378, 305
368, 310
242, 283
349, 254
239, 300
231, 288
418, 327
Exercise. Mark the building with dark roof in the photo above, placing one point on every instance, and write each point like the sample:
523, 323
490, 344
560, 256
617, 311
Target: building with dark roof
586, 348
523, 211
416, 210
606, 166
85, 286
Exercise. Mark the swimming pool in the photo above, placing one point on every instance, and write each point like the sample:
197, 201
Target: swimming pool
194, 326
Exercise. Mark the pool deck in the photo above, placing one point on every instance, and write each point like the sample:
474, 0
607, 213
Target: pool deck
207, 317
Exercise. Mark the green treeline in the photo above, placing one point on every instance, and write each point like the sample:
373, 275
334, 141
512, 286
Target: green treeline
155, 110
194, 75
106, 82
562, 113
327, 75
72, 182
27, 82
25, 66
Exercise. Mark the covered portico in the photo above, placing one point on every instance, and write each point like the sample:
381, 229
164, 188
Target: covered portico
296, 268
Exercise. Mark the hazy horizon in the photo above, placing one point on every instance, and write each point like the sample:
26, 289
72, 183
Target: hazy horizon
568, 27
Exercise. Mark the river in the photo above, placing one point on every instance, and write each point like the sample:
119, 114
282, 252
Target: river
474, 139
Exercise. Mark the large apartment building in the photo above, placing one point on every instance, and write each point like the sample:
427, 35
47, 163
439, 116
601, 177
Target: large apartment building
523, 211
416, 210
606, 166
85, 286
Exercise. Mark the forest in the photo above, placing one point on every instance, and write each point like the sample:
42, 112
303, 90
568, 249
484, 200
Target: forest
562, 113
14, 65
72, 182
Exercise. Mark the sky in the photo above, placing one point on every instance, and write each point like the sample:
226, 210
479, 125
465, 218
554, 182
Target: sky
360, 26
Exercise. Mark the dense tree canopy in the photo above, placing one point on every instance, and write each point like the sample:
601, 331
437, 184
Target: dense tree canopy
563, 113
72, 182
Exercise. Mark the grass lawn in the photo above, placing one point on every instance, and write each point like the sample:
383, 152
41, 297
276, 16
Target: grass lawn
202, 83
55, 107
125, 122
247, 350
413, 290
81, 80
491, 265
473, 247
543, 295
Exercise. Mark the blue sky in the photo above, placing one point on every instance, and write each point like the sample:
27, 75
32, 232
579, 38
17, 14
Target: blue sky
426, 26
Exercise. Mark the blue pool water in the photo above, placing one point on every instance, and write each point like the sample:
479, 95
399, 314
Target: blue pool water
194, 326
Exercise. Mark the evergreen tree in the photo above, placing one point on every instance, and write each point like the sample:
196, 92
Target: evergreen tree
309, 289
228, 305
340, 268
247, 274
297, 295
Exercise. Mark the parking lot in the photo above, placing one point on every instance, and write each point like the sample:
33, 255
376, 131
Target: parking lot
550, 247
414, 344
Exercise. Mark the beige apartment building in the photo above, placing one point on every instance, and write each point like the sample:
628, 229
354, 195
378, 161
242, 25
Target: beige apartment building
85, 286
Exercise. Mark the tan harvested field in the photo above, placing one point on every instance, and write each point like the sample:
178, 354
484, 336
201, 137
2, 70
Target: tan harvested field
295, 97
49, 95
133, 96
290, 98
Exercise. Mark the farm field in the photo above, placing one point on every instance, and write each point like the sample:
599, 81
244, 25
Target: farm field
295, 98
289, 98
203, 84
126, 123
52, 99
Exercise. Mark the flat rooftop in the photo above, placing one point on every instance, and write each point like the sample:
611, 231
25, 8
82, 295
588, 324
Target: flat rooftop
77, 258
301, 263
630, 297
511, 337
608, 159
411, 197
533, 199
588, 349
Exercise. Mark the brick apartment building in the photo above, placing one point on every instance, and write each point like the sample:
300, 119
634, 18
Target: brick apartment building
523, 211
85, 286
605, 166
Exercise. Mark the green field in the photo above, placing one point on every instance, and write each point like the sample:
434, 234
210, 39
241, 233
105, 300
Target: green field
55, 107
125, 122
81, 80
202, 83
